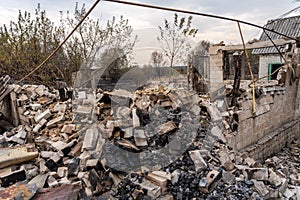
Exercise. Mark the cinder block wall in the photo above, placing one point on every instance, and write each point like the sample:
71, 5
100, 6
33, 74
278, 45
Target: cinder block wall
274, 111
264, 60
274, 141
216, 68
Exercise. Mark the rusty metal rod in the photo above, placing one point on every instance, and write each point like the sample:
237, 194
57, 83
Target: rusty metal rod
250, 70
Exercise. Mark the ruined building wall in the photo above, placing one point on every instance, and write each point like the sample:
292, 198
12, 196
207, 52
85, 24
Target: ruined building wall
264, 60
216, 68
278, 107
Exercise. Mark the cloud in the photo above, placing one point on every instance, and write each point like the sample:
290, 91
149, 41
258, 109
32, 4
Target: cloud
145, 21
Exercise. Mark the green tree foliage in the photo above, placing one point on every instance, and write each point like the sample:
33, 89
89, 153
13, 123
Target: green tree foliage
174, 38
27, 42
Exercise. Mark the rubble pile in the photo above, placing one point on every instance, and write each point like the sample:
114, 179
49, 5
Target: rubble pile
153, 143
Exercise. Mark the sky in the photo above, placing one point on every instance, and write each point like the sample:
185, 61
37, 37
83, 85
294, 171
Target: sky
145, 21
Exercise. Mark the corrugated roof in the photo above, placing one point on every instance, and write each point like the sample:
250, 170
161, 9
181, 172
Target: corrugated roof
289, 26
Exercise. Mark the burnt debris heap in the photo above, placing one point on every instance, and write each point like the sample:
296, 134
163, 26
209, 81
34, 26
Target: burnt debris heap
152, 143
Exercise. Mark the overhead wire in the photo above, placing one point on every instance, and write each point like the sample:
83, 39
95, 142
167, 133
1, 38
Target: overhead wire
199, 14
152, 7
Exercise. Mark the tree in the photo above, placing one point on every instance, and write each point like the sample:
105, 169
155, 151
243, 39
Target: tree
174, 38
27, 42
113, 43
157, 58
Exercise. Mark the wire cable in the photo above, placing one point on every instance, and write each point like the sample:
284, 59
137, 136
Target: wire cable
200, 14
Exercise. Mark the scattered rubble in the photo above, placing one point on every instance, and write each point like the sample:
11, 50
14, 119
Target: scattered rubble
57, 151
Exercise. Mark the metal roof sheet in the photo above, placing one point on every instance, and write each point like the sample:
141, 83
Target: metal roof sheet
289, 26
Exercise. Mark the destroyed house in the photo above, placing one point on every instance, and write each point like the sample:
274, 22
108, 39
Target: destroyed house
269, 57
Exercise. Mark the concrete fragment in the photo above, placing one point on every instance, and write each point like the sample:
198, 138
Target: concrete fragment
42, 166
159, 181
216, 131
210, 182
76, 149
90, 139
37, 127
274, 178
260, 188
60, 107
214, 113
44, 115
52, 182
250, 161
92, 163
135, 118
259, 174
166, 128
85, 110
68, 128
16, 155
52, 123
154, 191
58, 145
140, 138
226, 161
39, 180
228, 177
46, 154
199, 162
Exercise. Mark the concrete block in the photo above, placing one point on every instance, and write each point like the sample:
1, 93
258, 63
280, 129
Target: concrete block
52, 123
90, 139
44, 115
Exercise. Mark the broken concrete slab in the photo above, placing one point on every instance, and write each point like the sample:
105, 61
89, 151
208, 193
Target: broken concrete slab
153, 190
90, 139
214, 113
166, 128
216, 131
85, 110
198, 160
259, 174
39, 180
135, 118
16, 155
68, 128
261, 188
37, 127
52, 123
60, 107
140, 138
158, 180
44, 115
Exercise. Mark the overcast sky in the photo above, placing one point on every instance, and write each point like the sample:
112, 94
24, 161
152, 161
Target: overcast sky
145, 21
